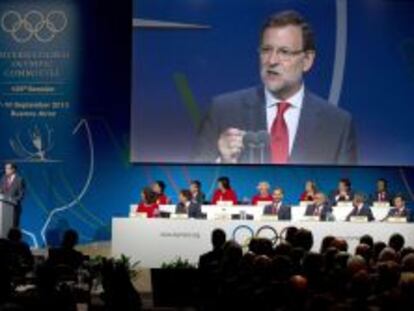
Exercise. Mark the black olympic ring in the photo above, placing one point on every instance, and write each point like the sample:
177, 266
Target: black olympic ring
251, 233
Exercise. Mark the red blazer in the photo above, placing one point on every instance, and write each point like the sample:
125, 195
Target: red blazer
150, 209
258, 198
162, 199
228, 195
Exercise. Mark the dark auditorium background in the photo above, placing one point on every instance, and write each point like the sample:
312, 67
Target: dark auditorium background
60, 195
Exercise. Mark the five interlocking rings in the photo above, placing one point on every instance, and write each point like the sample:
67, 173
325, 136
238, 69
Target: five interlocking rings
248, 234
33, 24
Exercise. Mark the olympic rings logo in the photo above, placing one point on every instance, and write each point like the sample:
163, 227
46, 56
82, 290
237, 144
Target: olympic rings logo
246, 234
34, 24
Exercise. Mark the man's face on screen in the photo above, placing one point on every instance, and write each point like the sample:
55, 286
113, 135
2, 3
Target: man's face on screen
283, 60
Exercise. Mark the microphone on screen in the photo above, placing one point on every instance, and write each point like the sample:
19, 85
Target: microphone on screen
263, 141
250, 143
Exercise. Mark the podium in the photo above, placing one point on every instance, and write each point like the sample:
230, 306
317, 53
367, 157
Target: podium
6, 215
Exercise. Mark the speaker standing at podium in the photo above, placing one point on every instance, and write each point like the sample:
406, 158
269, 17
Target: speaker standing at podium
12, 187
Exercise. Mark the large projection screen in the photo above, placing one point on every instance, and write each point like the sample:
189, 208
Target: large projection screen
207, 81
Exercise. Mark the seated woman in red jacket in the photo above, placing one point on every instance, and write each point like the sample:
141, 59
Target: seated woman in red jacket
148, 203
224, 191
263, 195
159, 188
310, 191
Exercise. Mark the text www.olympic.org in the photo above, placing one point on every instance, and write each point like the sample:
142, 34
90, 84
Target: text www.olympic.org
186, 235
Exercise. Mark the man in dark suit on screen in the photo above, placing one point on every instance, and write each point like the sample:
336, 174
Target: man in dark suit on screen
12, 186
300, 126
277, 208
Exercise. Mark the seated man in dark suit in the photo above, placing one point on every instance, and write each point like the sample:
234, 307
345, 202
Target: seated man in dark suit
277, 208
382, 194
186, 206
197, 195
399, 209
320, 207
360, 208
343, 193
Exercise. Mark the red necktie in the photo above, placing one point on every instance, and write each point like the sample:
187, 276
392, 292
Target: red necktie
280, 135
316, 211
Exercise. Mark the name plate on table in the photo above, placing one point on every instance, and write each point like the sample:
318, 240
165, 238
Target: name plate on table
263, 203
344, 204
358, 219
269, 218
140, 215
310, 218
224, 203
381, 204
397, 219
305, 203
179, 216
222, 216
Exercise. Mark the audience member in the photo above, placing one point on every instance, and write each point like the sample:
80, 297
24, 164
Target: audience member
66, 254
